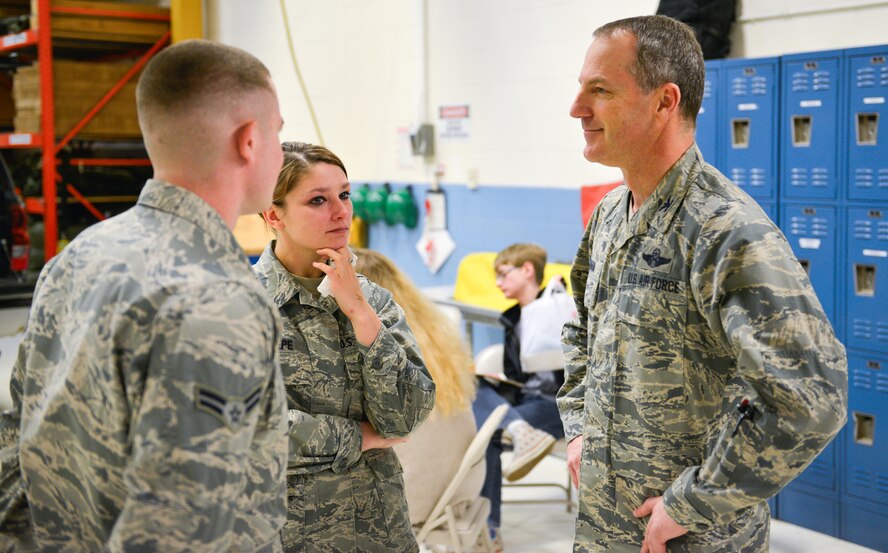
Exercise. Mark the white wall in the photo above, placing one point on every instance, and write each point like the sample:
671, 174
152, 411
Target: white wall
771, 27
513, 62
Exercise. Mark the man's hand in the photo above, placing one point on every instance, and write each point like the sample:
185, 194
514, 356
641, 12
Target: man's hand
660, 528
574, 452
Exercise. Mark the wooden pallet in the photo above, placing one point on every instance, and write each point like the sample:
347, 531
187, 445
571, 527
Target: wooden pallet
78, 86
102, 28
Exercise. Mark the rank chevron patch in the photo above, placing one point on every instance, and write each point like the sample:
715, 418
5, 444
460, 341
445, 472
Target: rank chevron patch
232, 411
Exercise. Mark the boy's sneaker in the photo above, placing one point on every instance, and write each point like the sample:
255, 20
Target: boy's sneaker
530, 445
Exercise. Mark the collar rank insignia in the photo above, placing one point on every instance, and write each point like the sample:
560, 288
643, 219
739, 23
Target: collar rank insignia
232, 411
654, 259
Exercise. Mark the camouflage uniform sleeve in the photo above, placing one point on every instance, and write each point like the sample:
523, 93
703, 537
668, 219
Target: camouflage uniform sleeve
320, 442
760, 307
14, 513
398, 389
575, 342
208, 384
10, 419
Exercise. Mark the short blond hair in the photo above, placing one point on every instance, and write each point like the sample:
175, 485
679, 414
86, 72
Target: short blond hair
186, 75
519, 254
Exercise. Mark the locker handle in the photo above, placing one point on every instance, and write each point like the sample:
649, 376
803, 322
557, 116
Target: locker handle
867, 129
740, 134
865, 280
864, 428
801, 130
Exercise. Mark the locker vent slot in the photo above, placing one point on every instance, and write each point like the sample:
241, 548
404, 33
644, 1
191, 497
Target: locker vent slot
864, 428
801, 130
867, 129
740, 134
865, 280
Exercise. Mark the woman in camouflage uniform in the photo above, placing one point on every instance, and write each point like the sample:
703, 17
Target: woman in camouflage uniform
355, 380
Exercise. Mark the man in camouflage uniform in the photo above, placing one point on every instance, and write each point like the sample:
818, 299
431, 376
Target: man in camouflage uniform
150, 412
701, 374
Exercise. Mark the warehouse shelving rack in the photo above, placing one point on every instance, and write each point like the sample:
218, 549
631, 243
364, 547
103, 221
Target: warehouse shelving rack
45, 141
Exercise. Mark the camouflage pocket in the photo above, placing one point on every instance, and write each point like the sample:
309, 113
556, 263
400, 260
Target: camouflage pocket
593, 284
652, 313
629, 495
389, 522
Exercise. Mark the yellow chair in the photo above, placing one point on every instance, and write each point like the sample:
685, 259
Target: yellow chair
476, 281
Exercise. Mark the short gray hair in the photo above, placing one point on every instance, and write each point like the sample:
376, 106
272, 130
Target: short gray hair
666, 51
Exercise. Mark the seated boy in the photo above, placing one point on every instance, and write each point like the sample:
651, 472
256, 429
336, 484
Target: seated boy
533, 422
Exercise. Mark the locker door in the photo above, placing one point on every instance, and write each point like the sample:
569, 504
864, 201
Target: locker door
866, 291
812, 232
810, 131
867, 133
866, 442
750, 89
709, 117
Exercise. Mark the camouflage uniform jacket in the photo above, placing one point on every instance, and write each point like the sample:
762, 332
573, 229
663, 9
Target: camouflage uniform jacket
684, 309
151, 404
339, 498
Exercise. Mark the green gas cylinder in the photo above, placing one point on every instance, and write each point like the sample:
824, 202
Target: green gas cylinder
401, 208
359, 200
374, 205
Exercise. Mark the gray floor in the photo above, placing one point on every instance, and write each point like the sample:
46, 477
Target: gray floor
548, 528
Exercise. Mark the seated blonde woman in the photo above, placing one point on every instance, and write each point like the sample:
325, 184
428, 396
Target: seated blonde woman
432, 455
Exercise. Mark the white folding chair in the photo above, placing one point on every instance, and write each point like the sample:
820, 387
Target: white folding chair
490, 360
463, 526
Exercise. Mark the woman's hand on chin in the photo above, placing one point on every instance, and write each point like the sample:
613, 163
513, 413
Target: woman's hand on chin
343, 281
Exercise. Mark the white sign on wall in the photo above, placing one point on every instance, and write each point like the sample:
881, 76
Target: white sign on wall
453, 123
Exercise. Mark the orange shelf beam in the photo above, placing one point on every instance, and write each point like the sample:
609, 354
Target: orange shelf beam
120, 14
47, 138
108, 162
20, 140
18, 40
86, 203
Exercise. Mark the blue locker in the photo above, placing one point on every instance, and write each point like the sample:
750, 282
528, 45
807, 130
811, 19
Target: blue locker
709, 117
750, 89
866, 432
864, 523
810, 510
810, 99
866, 288
812, 231
867, 133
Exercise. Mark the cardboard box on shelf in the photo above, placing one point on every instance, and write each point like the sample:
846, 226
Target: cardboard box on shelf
103, 28
78, 86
